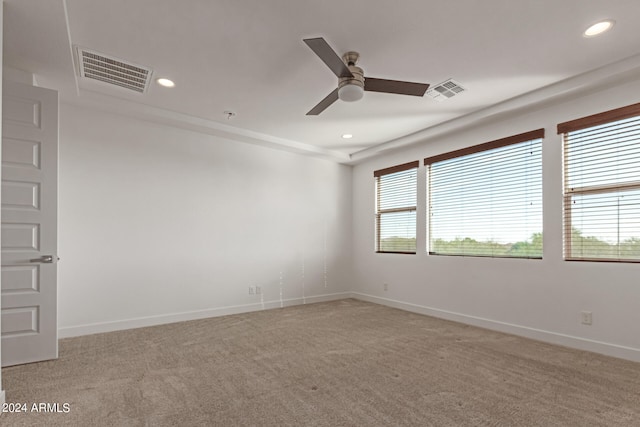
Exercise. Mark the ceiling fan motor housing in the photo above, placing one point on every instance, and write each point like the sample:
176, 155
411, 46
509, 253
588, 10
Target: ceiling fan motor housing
350, 58
357, 79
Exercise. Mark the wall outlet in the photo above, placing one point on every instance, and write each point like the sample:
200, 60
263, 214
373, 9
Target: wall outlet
385, 286
258, 290
252, 290
586, 317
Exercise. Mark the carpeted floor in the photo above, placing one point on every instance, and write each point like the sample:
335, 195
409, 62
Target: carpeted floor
342, 363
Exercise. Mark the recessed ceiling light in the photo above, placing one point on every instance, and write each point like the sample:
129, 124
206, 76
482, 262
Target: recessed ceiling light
166, 82
598, 28
347, 136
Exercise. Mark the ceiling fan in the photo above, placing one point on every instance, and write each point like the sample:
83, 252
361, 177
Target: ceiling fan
351, 80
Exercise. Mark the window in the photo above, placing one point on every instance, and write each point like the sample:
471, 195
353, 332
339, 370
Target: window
396, 195
602, 186
486, 200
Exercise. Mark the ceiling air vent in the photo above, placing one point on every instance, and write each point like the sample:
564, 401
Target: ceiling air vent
113, 71
445, 90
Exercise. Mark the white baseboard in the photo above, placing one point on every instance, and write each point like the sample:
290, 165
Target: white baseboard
622, 352
118, 325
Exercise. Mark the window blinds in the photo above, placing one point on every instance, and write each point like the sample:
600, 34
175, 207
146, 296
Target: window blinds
486, 200
602, 186
396, 195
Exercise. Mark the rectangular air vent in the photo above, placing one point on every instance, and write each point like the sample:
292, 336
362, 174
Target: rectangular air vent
445, 90
113, 71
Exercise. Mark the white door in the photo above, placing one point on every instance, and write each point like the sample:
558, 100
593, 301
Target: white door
29, 224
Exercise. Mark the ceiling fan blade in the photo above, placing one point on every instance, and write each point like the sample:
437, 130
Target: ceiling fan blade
394, 86
328, 56
322, 105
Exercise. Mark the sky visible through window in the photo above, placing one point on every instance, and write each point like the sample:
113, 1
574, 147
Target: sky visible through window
494, 197
603, 183
397, 194
490, 196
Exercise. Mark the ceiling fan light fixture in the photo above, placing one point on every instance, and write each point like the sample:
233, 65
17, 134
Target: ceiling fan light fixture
351, 92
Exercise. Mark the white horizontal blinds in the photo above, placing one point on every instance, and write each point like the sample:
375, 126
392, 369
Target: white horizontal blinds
487, 200
602, 186
396, 195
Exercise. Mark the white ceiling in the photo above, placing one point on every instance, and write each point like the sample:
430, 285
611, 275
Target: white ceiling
248, 57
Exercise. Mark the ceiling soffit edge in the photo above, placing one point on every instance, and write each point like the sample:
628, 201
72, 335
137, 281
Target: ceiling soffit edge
96, 101
557, 92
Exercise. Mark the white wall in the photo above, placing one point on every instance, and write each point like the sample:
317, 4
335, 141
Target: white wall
159, 224
536, 298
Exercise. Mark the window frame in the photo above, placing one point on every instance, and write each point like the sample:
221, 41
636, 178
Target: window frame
564, 128
499, 143
380, 212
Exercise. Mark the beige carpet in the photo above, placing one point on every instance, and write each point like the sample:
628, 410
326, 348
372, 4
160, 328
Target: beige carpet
342, 363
